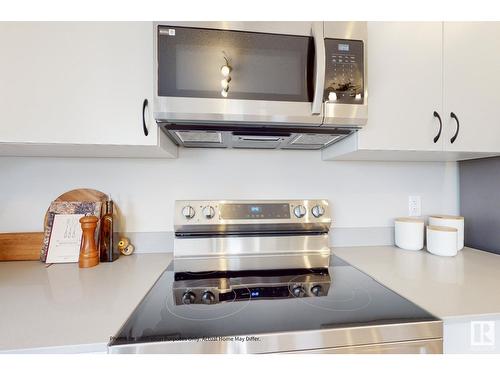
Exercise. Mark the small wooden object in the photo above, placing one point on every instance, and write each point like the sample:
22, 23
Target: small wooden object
89, 255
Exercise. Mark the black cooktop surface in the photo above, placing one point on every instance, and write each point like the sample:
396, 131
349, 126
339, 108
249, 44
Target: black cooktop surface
353, 299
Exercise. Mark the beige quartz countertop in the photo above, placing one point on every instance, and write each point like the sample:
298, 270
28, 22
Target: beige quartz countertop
464, 286
75, 309
65, 309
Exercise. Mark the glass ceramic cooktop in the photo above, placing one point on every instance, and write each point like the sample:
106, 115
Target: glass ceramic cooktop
353, 299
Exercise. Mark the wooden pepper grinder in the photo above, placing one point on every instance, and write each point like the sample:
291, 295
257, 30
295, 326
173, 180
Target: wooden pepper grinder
89, 255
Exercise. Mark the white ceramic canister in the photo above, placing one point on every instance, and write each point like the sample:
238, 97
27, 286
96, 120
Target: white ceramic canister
450, 221
409, 233
442, 240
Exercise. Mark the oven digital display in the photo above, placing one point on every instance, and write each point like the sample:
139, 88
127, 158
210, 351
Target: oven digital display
262, 292
255, 211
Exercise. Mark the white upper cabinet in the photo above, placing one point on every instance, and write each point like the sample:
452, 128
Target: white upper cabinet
405, 89
472, 86
78, 84
418, 69
405, 86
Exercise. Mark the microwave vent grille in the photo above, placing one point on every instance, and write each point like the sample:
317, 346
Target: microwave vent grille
314, 139
199, 136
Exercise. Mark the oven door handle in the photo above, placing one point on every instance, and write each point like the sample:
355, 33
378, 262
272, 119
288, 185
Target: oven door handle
320, 57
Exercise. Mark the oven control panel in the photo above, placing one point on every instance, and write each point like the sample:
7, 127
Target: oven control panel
262, 213
189, 290
254, 211
344, 79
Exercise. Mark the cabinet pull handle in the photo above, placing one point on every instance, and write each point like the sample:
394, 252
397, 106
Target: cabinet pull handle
454, 116
144, 127
436, 138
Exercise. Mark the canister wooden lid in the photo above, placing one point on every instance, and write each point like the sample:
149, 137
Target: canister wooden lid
441, 229
447, 217
409, 220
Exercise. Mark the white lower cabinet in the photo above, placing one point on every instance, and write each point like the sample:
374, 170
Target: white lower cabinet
78, 89
418, 73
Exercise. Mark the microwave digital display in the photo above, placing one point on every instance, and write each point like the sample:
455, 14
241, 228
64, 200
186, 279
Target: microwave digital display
343, 47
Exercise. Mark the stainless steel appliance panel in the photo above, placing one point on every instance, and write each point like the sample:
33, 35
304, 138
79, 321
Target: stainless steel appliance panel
250, 253
251, 235
346, 46
258, 75
216, 246
239, 136
273, 81
432, 346
279, 27
200, 223
235, 288
262, 261
344, 80
350, 30
338, 338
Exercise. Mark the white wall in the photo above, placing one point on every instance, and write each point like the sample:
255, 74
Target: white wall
362, 194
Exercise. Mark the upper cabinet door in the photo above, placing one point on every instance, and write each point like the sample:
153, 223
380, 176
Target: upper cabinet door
471, 86
404, 86
76, 82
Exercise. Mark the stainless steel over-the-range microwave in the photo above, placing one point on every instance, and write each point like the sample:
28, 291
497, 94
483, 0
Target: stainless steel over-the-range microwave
260, 84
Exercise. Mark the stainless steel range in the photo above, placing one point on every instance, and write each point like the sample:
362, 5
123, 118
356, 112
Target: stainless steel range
251, 235
257, 277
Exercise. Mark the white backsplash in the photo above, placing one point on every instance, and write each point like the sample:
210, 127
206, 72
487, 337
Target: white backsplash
362, 194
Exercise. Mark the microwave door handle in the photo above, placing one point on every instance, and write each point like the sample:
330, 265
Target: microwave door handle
320, 56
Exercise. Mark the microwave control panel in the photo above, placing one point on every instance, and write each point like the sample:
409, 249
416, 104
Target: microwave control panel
344, 80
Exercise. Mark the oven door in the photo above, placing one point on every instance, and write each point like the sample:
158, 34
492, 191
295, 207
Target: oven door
275, 73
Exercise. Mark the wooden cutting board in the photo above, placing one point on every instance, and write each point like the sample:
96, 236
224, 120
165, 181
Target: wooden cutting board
20, 246
78, 195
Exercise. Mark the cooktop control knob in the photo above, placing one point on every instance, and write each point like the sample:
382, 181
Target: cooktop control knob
298, 291
208, 298
318, 211
188, 298
188, 212
317, 290
299, 211
208, 212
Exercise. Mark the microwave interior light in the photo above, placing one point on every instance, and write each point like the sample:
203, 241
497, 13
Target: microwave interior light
225, 70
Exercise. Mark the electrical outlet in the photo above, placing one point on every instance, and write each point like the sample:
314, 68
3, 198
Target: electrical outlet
414, 205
